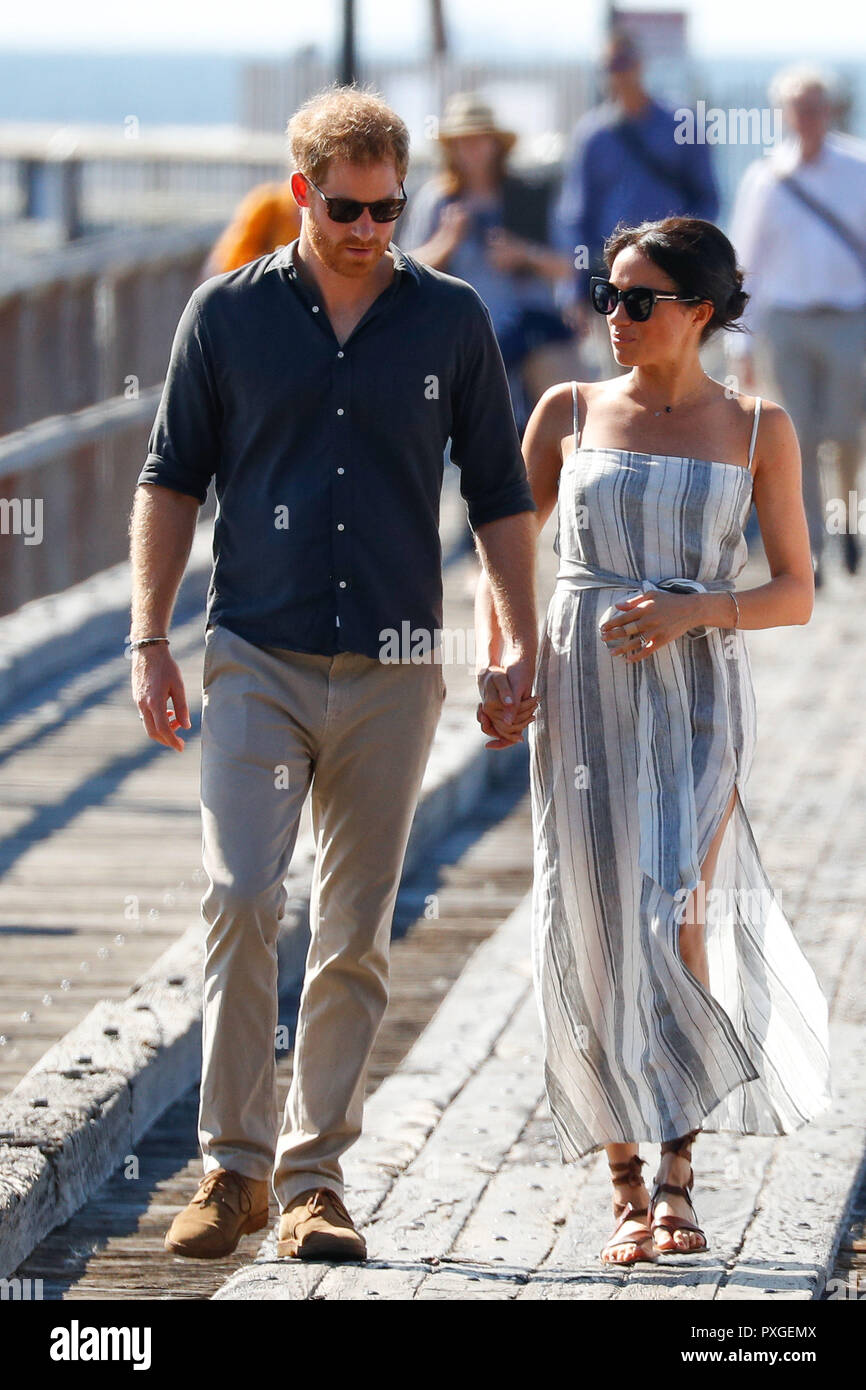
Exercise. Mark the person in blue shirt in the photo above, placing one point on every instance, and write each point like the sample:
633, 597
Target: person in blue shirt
625, 165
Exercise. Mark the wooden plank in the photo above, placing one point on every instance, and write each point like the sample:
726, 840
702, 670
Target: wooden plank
428, 1204
90, 1256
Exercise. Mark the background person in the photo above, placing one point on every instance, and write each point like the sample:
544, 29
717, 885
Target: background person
803, 245
479, 221
267, 217
624, 167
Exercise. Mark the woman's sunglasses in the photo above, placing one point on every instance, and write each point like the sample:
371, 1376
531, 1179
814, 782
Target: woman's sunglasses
639, 302
350, 209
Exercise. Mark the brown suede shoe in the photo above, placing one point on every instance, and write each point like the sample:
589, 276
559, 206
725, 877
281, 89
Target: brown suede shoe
226, 1206
316, 1226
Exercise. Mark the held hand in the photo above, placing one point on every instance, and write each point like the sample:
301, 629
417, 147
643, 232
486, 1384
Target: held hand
156, 680
507, 705
504, 735
497, 740
658, 616
520, 670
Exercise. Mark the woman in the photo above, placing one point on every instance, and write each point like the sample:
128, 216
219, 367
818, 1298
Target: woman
477, 220
666, 1009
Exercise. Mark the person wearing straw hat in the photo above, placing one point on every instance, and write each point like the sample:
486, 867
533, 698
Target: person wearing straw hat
477, 220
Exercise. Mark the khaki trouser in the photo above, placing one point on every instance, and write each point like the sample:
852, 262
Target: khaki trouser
813, 360
275, 723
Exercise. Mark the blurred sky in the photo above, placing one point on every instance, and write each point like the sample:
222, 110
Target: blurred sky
750, 28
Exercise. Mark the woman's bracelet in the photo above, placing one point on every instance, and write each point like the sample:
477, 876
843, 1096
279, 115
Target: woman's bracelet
143, 642
732, 596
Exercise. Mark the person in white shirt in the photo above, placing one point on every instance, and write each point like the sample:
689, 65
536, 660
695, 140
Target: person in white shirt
807, 281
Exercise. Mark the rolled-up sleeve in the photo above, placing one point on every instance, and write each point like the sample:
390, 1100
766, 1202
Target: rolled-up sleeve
485, 444
184, 444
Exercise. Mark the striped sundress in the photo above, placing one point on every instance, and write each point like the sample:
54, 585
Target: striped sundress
632, 766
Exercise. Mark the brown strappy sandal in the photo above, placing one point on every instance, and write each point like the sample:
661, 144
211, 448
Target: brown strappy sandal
676, 1223
626, 1211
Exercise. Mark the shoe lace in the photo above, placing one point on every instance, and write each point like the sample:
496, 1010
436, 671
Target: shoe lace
318, 1201
220, 1184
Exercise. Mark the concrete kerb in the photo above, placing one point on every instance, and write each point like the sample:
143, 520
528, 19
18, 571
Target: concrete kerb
77, 1115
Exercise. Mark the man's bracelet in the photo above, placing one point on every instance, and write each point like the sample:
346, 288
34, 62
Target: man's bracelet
143, 642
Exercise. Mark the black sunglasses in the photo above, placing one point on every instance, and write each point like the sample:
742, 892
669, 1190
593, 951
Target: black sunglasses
639, 302
350, 209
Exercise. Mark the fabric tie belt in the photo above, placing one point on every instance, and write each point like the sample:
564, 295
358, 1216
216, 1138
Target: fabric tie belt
668, 852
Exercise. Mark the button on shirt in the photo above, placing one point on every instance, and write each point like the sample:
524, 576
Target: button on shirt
792, 259
328, 460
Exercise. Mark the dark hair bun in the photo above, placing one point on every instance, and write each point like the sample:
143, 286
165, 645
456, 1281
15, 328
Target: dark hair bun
737, 300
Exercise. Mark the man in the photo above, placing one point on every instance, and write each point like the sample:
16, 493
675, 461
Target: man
807, 281
625, 165
318, 385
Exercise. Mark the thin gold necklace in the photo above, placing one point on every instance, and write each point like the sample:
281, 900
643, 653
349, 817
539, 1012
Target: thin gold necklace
666, 410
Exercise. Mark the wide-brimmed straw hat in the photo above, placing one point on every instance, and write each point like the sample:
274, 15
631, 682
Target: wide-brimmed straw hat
467, 114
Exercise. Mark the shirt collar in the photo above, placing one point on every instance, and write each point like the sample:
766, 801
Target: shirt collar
284, 259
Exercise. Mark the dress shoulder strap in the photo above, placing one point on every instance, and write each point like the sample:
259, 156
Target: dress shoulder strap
576, 423
754, 429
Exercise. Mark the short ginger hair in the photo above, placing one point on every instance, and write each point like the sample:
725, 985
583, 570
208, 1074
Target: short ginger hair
347, 123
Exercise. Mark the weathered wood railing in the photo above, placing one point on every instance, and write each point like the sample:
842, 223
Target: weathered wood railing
66, 489
84, 325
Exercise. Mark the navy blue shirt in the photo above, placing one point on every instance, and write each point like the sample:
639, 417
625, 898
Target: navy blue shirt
328, 461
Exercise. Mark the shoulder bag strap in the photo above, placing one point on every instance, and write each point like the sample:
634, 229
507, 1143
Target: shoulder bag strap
845, 234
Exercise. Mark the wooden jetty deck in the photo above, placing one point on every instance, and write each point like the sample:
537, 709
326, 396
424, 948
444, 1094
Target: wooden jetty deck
456, 1178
